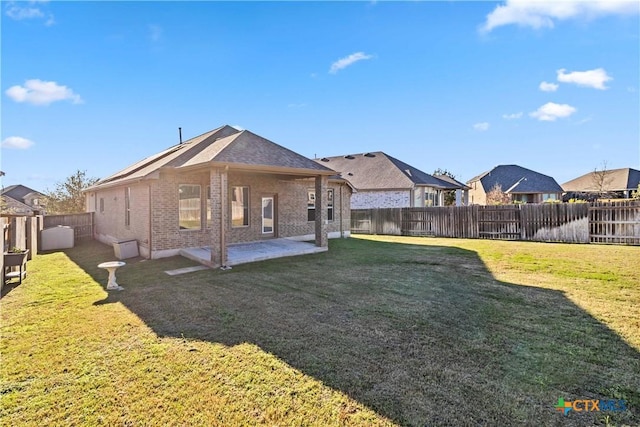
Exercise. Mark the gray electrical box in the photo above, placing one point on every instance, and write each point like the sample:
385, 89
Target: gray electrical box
126, 249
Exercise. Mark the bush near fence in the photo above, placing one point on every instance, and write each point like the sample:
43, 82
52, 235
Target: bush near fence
610, 222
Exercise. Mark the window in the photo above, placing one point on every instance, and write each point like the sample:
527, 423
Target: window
127, 206
239, 206
101, 204
430, 197
189, 207
549, 197
311, 205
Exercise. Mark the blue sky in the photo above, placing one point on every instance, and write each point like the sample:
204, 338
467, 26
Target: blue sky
463, 86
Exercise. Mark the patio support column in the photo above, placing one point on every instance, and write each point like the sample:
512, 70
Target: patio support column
321, 211
219, 197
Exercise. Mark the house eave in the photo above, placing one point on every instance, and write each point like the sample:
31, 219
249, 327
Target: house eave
241, 167
120, 182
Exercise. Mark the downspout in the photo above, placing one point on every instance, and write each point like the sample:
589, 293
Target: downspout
150, 225
223, 223
341, 212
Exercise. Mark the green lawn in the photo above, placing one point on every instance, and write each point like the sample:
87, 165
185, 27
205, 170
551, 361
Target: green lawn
377, 331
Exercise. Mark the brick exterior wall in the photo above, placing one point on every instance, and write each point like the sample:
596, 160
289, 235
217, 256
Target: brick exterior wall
166, 233
381, 199
477, 195
291, 206
157, 200
110, 223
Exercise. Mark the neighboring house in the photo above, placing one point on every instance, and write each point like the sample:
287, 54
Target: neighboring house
521, 184
382, 181
26, 196
12, 207
222, 187
608, 183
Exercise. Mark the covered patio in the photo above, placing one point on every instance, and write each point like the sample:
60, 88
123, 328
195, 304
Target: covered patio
242, 253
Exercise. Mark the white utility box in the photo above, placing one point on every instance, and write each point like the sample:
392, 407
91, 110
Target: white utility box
126, 249
60, 237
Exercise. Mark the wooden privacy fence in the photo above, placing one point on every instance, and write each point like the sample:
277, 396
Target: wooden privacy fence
554, 222
82, 224
616, 222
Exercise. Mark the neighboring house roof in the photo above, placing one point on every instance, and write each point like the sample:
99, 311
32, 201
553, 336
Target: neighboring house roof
19, 192
515, 179
452, 181
222, 146
613, 180
11, 206
379, 171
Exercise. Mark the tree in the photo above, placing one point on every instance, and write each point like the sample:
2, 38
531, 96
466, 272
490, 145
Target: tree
601, 180
67, 197
449, 195
496, 196
636, 194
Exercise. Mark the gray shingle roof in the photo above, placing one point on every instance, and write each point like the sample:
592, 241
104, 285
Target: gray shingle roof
515, 179
379, 171
225, 145
614, 180
19, 192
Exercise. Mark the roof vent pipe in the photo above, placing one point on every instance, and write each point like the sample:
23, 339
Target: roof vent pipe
180, 134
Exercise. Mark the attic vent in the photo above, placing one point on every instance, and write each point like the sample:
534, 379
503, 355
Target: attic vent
408, 172
324, 159
349, 156
369, 155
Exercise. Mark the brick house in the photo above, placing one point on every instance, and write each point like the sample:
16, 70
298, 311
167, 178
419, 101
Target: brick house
26, 197
520, 184
223, 187
382, 181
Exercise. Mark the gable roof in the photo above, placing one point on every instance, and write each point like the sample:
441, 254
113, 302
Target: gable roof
11, 206
614, 180
515, 179
452, 181
224, 146
19, 192
379, 171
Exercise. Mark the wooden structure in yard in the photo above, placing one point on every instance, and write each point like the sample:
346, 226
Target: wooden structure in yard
82, 224
615, 222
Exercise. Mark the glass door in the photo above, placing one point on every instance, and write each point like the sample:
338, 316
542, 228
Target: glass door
267, 215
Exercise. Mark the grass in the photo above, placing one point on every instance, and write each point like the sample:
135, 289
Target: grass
377, 331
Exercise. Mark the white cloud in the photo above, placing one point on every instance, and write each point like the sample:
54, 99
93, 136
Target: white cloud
17, 142
38, 92
591, 78
481, 127
543, 13
551, 111
548, 87
28, 10
348, 60
512, 116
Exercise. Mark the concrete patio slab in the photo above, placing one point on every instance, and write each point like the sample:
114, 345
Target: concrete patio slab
242, 253
184, 270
